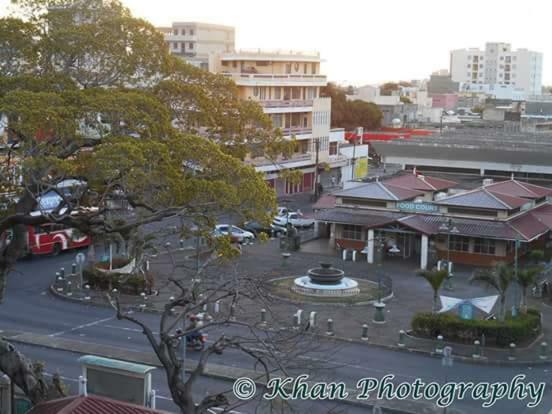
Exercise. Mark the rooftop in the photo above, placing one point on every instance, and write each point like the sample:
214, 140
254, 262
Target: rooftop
90, 404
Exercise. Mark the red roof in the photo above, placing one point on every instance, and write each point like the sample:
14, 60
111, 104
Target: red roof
416, 182
518, 189
90, 404
508, 200
325, 201
529, 226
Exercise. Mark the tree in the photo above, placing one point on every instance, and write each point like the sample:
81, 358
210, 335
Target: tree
351, 114
388, 88
405, 99
86, 96
435, 278
527, 278
500, 278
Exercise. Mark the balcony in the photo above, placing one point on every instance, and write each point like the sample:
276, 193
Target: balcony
264, 165
299, 132
267, 79
273, 55
287, 106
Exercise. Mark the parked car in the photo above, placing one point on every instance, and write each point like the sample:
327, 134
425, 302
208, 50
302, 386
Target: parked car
237, 234
256, 228
282, 211
296, 220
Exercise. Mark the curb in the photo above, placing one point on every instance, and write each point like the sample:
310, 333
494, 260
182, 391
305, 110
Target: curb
217, 371
481, 361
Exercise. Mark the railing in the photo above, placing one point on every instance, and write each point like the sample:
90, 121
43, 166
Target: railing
279, 52
275, 77
285, 103
261, 161
295, 131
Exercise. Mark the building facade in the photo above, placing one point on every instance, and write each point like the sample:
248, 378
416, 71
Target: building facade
498, 64
425, 219
195, 42
287, 85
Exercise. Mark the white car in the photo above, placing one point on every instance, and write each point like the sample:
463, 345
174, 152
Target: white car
296, 220
236, 234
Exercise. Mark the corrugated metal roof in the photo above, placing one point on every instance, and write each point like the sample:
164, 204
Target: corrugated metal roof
356, 216
415, 182
91, 404
529, 226
378, 190
476, 199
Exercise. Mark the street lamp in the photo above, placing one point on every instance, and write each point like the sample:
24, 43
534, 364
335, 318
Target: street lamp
516, 296
450, 229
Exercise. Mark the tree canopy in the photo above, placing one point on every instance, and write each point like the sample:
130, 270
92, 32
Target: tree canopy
351, 114
88, 91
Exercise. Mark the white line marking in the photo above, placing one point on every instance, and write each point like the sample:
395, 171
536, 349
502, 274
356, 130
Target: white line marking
126, 329
86, 325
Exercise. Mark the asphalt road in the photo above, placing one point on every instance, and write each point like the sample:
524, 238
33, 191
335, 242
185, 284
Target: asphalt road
29, 308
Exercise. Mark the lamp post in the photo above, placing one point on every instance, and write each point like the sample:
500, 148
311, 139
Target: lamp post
516, 296
450, 229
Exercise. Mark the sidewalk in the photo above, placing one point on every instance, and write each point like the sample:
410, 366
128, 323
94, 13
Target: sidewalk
412, 294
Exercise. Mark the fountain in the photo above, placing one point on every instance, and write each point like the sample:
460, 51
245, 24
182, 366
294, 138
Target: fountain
325, 281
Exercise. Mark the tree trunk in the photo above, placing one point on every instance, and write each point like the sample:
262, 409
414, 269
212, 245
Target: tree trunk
435, 301
523, 305
502, 310
21, 373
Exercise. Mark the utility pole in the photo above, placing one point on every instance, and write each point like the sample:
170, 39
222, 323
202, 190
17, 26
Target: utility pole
316, 178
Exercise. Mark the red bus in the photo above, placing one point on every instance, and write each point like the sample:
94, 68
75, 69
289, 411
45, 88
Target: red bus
54, 238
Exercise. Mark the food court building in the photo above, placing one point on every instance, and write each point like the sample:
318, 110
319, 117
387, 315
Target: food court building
426, 218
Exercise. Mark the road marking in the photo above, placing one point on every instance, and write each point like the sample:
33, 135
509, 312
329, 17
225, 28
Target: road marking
86, 325
127, 329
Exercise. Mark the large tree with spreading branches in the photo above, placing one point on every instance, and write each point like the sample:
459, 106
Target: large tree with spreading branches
88, 91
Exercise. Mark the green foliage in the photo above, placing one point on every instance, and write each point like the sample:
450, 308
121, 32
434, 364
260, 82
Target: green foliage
405, 99
351, 114
518, 330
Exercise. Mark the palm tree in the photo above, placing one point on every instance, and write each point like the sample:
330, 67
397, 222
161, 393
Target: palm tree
526, 278
435, 278
500, 277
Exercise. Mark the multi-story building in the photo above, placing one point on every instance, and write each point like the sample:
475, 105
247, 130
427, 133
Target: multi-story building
287, 85
195, 42
498, 64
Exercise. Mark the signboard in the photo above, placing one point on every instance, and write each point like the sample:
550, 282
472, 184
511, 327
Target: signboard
465, 311
410, 206
361, 168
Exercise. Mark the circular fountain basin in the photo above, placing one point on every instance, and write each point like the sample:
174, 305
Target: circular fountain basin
345, 287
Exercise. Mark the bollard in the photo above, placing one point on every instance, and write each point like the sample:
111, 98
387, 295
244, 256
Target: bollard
296, 321
402, 335
233, 312
354, 255
543, 350
74, 268
62, 272
86, 292
299, 316
217, 306
439, 346
330, 328
181, 244
344, 254
60, 282
205, 307
312, 319
477, 351
483, 343
364, 332
512, 355
285, 258
263, 317
69, 288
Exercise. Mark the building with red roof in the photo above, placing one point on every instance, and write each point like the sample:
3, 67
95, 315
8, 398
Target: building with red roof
427, 218
90, 404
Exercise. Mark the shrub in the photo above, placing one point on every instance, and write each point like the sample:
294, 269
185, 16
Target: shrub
133, 285
519, 329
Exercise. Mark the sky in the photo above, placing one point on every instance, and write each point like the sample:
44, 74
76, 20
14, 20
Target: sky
367, 41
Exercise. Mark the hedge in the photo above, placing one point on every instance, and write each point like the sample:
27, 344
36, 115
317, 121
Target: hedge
133, 285
517, 330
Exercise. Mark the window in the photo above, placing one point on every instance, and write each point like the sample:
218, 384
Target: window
295, 93
277, 93
333, 148
352, 232
190, 46
191, 32
175, 45
484, 246
182, 46
313, 68
175, 32
234, 64
183, 32
469, 66
459, 244
288, 67
305, 69
297, 67
277, 120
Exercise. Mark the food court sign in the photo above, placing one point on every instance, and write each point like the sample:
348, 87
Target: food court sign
411, 207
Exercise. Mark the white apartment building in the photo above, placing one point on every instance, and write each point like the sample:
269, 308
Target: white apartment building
498, 64
195, 42
287, 85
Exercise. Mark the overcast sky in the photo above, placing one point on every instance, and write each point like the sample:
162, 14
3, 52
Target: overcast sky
368, 41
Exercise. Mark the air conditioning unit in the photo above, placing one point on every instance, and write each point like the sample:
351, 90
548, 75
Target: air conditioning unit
487, 181
440, 196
